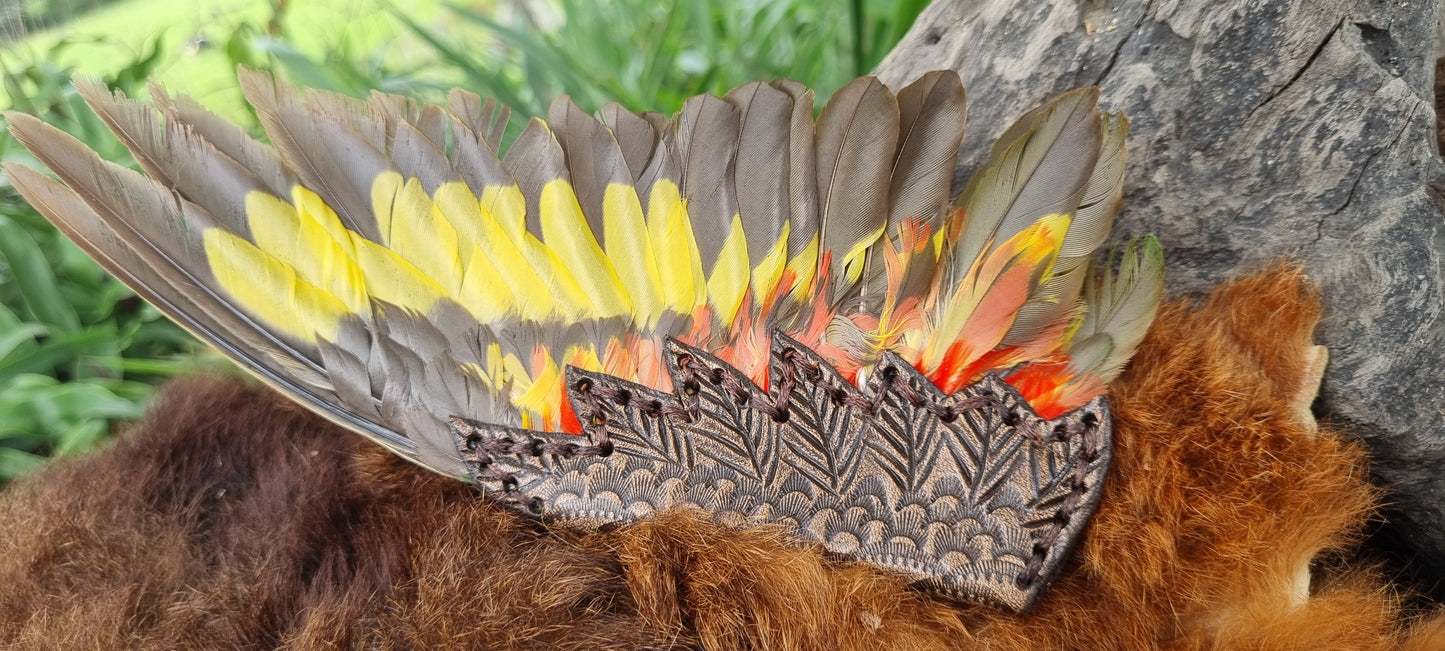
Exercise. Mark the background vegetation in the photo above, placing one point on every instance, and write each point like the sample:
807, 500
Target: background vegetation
79, 352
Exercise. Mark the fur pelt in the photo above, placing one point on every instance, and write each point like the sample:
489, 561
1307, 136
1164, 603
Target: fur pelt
230, 518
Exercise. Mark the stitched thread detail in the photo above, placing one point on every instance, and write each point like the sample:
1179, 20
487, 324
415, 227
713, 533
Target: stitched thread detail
480, 446
1047, 538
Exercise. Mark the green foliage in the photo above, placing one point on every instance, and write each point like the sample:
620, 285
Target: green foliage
79, 351
651, 54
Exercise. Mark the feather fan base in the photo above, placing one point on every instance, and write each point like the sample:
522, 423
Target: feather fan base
970, 495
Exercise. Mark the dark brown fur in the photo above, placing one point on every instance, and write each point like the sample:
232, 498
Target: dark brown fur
232, 519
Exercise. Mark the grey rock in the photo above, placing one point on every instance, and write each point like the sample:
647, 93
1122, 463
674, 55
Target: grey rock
1260, 129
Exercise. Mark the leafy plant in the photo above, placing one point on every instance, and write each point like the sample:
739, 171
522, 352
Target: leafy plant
650, 54
77, 348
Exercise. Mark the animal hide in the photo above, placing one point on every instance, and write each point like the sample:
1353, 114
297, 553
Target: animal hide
230, 518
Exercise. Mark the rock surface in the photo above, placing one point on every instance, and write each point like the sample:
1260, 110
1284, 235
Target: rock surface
1260, 129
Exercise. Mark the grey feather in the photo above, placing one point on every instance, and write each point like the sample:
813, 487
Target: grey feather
486, 119
1103, 195
705, 137
662, 165
417, 156
1121, 305
594, 159
535, 159
260, 159
857, 135
931, 116
1038, 167
763, 150
429, 119
931, 112
177, 156
330, 158
474, 157
802, 168
636, 136
151, 263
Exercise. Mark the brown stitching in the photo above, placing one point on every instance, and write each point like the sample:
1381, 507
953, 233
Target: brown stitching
1049, 536
730, 384
776, 408
906, 390
475, 445
887, 377
787, 363
594, 420
688, 390
480, 444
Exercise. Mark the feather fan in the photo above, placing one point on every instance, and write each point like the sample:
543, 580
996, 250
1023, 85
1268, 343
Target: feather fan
382, 262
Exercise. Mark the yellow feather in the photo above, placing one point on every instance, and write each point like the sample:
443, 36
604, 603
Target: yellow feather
304, 241
481, 292
678, 262
566, 233
383, 192
538, 399
767, 272
630, 250
479, 234
552, 276
583, 357
493, 375
507, 205
411, 227
854, 259
311, 206
455, 204
394, 280
544, 287
729, 279
984, 304
496, 364
478, 372
511, 369
805, 267
270, 289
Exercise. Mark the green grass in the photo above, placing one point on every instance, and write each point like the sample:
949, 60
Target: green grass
79, 352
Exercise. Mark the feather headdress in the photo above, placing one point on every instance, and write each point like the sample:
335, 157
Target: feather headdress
934, 369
